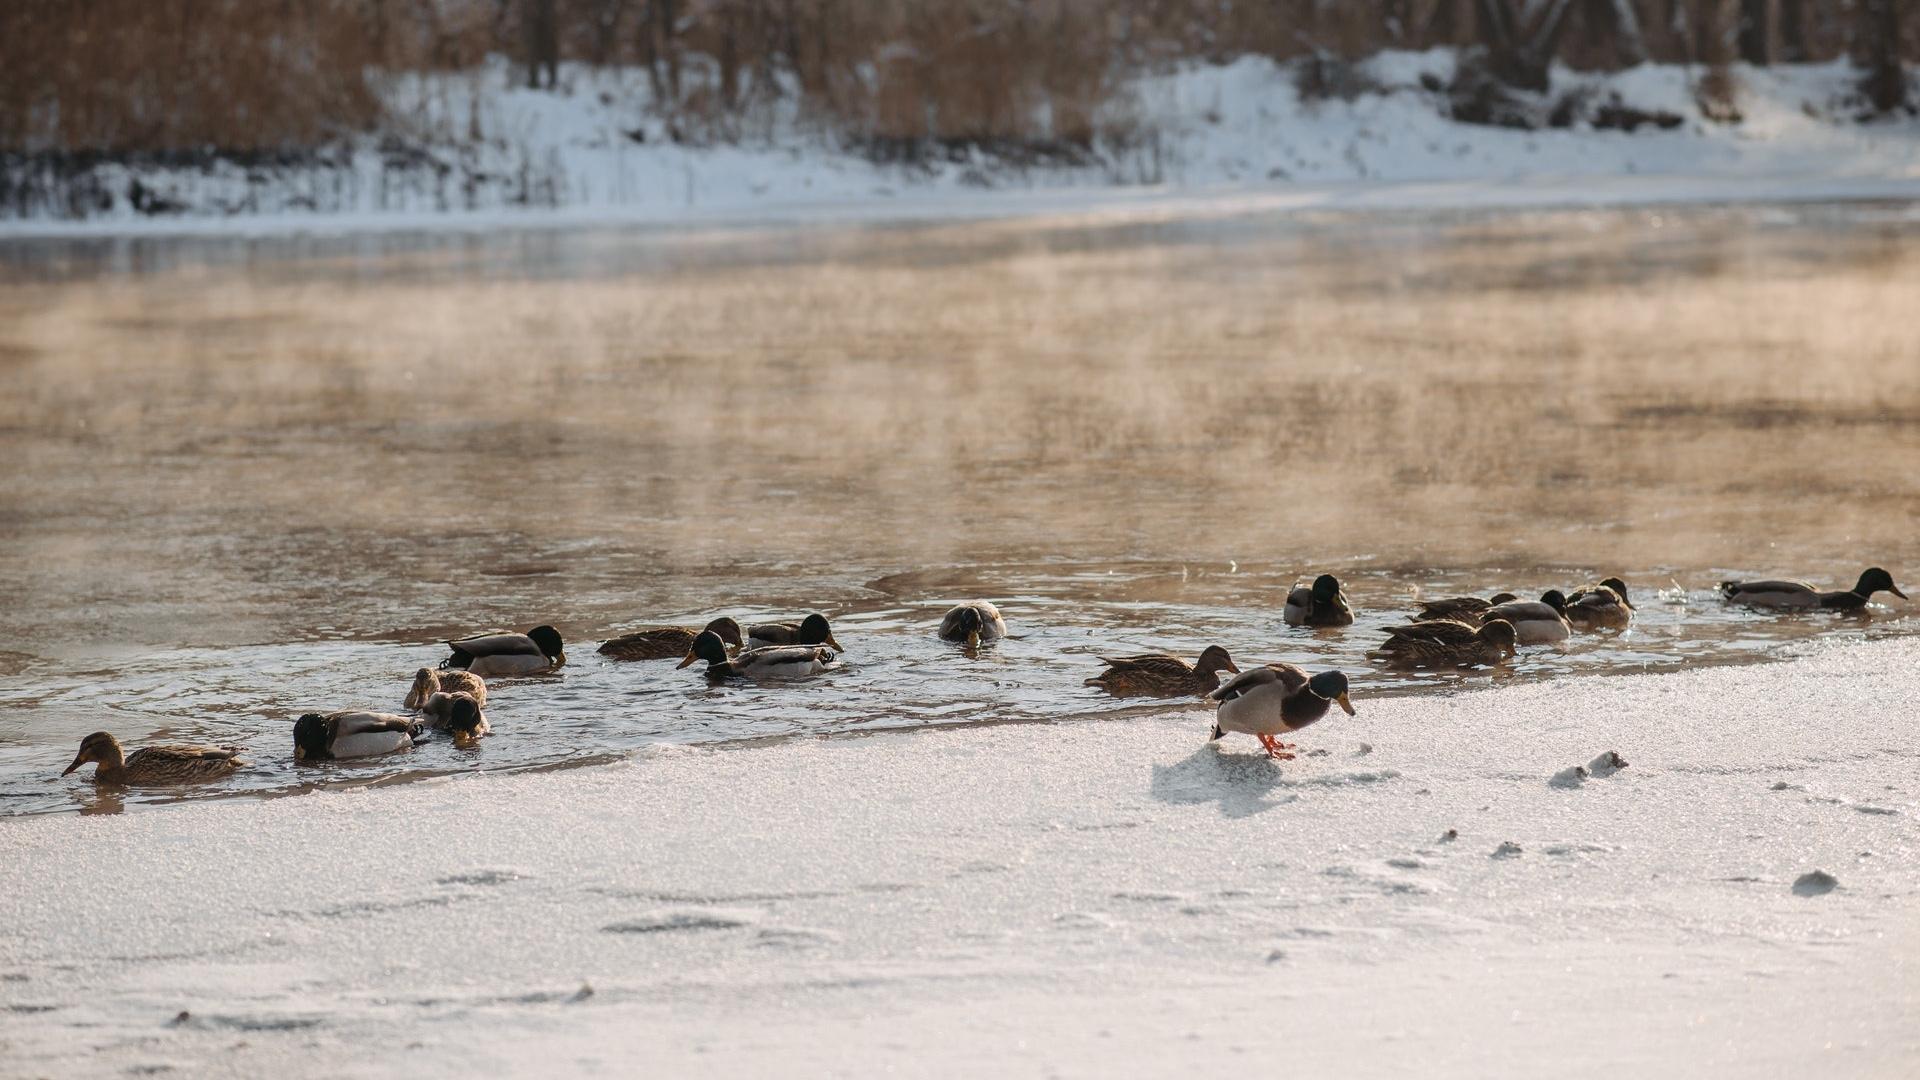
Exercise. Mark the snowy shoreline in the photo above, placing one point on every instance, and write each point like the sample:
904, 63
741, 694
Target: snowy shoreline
1079, 899
1236, 135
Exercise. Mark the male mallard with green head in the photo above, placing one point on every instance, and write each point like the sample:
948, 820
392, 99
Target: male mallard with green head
1324, 603
167, 764
1160, 675
537, 650
668, 642
1800, 596
766, 662
973, 623
351, 734
1535, 622
812, 630
1275, 699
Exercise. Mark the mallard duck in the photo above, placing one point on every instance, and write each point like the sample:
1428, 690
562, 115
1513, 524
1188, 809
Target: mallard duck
1446, 643
1467, 609
1275, 699
153, 764
973, 623
668, 642
428, 682
812, 630
766, 662
1160, 675
457, 712
349, 734
1323, 603
1601, 607
539, 649
1798, 595
1535, 622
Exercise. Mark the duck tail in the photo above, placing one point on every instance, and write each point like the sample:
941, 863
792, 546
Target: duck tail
1728, 588
1217, 734
461, 658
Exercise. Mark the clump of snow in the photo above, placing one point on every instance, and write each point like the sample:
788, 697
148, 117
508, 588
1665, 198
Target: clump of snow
1606, 764
1815, 883
1507, 850
1572, 776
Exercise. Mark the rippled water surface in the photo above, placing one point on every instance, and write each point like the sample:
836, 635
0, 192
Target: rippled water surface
254, 478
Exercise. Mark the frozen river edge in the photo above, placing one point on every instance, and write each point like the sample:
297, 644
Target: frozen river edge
1435, 893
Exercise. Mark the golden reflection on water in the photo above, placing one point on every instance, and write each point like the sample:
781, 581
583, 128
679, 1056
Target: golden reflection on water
595, 427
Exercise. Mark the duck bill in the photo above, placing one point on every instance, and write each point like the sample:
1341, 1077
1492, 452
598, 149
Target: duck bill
973, 639
1346, 705
1895, 590
1236, 670
685, 661
835, 645
465, 740
77, 762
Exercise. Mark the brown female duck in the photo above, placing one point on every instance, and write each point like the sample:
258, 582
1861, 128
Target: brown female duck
1445, 643
1160, 675
669, 642
153, 764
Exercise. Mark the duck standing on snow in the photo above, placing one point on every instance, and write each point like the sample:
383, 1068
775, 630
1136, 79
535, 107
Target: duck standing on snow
973, 623
428, 682
458, 713
1467, 609
769, 661
812, 630
1446, 643
153, 764
668, 642
1535, 622
351, 734
1160, 675
1275, 699
539, 649
1800, 596
1324, 603
1601, 607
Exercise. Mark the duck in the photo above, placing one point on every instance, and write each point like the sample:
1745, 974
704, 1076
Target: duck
457, 712
768, 661
539, 649
428, 682
1161, 675
1800, 596
1467, 609
1535, 622
668, 642
1323, 603
812, 630
1274, 699
973, 623
1600, 607
351, 734
1446, 643
166, 764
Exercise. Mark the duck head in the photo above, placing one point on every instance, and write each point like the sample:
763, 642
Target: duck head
969, 622
549, 641
1556, 600
728, 631
425, 685
310, 738
1331, 686
1502, 598
1877, 580
1500, 634
101, 748
1619, 589
465, 721
815, 631
1326, 589
706, 646
1215, 660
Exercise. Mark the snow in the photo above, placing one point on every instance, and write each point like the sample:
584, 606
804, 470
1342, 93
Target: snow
473, 150
1073, 899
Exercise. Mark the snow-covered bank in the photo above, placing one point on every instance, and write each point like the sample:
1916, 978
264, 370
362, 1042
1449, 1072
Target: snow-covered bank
472, 150
1078, 899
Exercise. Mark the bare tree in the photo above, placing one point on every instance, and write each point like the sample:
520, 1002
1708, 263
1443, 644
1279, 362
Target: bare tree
1878, 42
542, 43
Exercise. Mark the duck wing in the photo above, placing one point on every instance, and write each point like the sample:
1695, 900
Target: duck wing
1151, 664
777, 633
1286, 676
496, 645
1438, 631
351, 722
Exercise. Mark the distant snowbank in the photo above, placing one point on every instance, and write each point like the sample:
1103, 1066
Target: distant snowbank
1415, 894
474, 149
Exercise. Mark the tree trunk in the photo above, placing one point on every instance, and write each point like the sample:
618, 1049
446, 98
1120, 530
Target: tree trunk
542, 43
1756, 32
1879, 46
1793, 32
1623, 22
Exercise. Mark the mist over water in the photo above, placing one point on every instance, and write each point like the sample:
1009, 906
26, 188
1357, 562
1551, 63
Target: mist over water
256, 478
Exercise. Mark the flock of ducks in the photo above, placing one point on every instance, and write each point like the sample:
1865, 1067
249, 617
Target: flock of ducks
1266, 702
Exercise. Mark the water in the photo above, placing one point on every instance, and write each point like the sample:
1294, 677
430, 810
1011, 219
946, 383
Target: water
256, 478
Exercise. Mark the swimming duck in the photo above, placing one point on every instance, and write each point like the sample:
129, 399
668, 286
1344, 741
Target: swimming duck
1601, 607
1446, 643
428, 682
457, 712
1274, 699
812, 630
1535, 622
350, 734
1323, 603
153, 764
539, 649
1467, 609
768, 661
668, 642
1160, 675
973, 623
1798, 595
